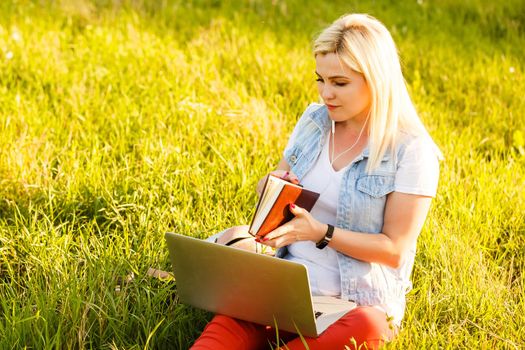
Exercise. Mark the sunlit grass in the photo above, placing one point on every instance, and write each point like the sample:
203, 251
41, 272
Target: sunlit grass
120, 120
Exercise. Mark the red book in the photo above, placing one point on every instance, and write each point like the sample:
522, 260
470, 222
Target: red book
273, 210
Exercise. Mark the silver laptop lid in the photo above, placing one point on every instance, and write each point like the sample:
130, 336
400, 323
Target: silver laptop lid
241, 284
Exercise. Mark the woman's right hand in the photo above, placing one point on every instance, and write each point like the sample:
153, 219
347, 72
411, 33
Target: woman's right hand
283, 174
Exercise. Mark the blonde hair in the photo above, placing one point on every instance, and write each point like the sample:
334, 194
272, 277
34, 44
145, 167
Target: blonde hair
366, 46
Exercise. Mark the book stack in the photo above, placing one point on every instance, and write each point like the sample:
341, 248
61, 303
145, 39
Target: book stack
273, 209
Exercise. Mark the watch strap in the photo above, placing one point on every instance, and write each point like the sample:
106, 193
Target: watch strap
327, 237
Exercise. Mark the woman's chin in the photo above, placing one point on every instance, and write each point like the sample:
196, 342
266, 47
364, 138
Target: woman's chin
336, 115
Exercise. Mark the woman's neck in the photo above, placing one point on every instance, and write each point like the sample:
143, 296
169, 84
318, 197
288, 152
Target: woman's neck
351, 128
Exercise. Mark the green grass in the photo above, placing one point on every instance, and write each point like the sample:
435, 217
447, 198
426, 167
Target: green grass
120, 120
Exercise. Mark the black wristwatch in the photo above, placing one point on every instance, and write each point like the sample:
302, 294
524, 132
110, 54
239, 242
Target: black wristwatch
327, 237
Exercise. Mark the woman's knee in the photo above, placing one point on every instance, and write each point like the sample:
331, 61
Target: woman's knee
373, 325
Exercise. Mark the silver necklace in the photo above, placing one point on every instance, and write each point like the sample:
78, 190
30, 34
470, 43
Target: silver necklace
346, 150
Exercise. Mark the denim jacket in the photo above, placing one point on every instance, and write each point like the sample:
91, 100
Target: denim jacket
360, 208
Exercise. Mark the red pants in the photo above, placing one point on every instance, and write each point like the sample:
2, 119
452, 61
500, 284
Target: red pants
362, 325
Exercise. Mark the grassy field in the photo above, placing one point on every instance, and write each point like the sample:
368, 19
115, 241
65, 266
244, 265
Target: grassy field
120, 120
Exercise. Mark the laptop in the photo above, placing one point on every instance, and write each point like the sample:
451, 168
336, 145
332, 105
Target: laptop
250, 286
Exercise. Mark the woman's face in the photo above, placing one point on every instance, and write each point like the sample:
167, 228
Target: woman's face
344, 91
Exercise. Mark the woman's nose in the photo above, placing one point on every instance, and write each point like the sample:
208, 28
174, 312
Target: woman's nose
327, 92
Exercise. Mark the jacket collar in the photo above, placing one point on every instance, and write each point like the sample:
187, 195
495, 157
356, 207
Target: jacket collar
321, 119
366, 154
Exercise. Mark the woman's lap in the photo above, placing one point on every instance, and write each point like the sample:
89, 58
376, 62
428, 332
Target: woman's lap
361, 325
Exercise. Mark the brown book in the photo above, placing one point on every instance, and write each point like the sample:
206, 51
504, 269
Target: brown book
273, 210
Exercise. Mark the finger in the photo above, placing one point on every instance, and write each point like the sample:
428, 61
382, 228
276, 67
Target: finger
296, 210
281, 241
286, 175
292, 177
268, 241
280, 173
278, 232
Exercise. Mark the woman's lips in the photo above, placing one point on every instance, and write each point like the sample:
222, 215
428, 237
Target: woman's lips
331, 107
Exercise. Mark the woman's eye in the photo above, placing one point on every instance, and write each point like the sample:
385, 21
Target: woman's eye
340, 84
319, 80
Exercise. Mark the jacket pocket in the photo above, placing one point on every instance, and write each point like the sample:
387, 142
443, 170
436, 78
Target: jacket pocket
370, 200
376, 185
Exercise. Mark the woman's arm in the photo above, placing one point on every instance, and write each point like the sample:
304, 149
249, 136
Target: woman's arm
405, 215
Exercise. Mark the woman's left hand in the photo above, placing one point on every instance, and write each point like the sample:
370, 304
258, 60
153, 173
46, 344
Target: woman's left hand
301, 228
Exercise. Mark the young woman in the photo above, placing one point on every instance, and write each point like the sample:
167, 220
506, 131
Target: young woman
367, 153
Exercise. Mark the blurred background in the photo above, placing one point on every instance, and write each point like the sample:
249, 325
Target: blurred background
121, 120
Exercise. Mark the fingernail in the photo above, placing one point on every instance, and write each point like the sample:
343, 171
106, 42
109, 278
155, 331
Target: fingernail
292, 205
265, 239
285, 175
